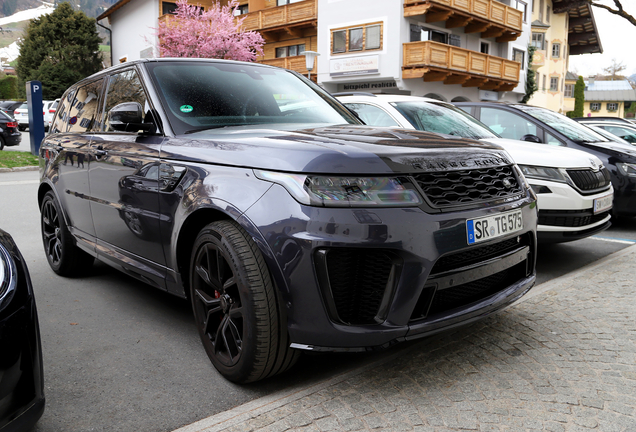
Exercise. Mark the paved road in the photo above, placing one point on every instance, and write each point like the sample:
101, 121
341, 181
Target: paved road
120, 355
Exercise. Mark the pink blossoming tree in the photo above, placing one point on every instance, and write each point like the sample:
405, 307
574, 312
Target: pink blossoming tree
215, 33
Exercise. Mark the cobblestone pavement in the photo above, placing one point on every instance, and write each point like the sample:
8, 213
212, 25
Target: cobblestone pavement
564, 359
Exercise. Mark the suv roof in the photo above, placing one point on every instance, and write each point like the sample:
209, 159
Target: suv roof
601, 118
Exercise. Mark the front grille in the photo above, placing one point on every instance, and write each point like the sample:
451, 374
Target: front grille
570, 218
588, 180
452, 188
434, 301
462, 295
358, 281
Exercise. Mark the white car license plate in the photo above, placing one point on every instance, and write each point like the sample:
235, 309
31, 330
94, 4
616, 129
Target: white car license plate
603, 203
490, 227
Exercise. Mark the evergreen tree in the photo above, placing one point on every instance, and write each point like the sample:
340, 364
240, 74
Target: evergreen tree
531, 80
58, 50
579, 97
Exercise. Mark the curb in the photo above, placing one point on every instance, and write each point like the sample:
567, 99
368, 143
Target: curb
18, 169
252, 409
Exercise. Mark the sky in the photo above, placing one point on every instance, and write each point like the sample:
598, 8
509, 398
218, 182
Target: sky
618, 39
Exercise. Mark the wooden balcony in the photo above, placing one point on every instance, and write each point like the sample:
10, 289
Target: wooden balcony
293, 19
295, 63
434, 61
491, 18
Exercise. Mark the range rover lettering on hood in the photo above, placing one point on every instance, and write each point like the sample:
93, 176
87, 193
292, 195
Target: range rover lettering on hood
447, 164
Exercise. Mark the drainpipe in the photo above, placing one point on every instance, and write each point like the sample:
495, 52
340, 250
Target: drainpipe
110, 41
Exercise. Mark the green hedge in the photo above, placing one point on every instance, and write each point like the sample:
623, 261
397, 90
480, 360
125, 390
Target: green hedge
9, 87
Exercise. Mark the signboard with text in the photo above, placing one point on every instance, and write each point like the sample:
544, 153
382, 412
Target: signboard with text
354, 66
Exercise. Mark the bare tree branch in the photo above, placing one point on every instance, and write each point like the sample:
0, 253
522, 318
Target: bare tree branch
618, 11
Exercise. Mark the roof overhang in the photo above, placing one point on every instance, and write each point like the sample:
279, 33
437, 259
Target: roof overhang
110, 10
583, 36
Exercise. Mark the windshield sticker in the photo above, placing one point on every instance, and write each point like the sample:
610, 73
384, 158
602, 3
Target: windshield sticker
186, 108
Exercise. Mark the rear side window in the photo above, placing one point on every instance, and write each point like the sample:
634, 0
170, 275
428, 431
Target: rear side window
372, 115
61, 116
83, 109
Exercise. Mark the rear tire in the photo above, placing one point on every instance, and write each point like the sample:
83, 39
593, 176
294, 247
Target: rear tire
1, 143
235, 306
64, 257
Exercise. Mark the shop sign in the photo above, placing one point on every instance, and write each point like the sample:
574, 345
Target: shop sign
354, 66
365, 86
487, 95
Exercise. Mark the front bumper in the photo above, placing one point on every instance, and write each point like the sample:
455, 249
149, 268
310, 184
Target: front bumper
360, 279
566, 215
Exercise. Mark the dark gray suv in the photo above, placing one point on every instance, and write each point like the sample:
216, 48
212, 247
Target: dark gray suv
288, 225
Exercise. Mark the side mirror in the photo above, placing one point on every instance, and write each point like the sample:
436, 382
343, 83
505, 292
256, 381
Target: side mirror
128, 117
531, 138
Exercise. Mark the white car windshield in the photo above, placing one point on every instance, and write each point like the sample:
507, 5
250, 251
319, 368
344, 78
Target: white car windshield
443, 119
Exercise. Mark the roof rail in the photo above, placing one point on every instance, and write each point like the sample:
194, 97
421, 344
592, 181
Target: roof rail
353, 94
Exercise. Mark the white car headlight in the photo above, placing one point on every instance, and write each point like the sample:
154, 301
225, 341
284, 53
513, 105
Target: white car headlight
337, 191
544, 173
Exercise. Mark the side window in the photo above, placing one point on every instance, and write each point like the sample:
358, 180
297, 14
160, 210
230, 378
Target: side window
627, 134
372, 115
124, 87
83, 109
552, 140
61, 115
507, 124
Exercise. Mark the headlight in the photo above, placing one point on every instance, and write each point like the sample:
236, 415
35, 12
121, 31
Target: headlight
627, 169
543, 173
335, 191
8, 278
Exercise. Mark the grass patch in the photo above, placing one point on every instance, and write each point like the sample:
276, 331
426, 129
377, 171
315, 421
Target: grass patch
104, 48
14, 159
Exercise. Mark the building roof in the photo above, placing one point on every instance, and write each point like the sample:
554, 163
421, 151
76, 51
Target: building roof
113, 8
583, 36
571, 76
620, 90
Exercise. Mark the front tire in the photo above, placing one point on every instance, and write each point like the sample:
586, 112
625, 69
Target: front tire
64, 257
235, 306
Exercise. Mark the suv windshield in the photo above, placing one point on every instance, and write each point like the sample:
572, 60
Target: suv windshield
217, 94
568, 127
443, 119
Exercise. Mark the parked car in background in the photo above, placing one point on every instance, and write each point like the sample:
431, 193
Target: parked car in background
574, 193
9, 133
623, 129
49, 113
21, 115
21, 373
542, 126
9, 106
288, 224
608, 135
603, 118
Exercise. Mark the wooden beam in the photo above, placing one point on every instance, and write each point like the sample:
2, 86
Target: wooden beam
494, 31
506, 87
415, 10
490, 85
455, 78
435, 76
508, 37
414, 73
581, 37
477, 27
270, 36
458, 21
438, 16
295, 32
579, 21
475, 82
584, 49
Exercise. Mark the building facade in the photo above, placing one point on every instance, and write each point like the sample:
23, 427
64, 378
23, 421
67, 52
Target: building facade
607, 98
560, 29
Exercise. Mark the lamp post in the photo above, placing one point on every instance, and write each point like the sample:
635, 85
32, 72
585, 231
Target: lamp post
310, 56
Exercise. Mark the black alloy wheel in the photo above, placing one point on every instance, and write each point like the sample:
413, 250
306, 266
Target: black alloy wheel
64, 257
1, 143
235, 306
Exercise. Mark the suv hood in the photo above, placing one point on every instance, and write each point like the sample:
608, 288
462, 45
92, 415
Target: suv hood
349, 149
545, 155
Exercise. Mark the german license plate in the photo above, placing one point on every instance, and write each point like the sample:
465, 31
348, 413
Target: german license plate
491, 227
603, 203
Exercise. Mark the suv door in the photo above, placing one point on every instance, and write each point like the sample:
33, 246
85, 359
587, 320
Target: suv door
124, 176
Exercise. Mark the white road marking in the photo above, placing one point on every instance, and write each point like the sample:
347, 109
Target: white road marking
614, 240
19, 182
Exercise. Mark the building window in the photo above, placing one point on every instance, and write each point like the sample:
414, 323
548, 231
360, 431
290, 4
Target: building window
544, 79
612, 106
355, 39
556, 50
568, 92
554, 84
284, 2
455, 40
168, 8
419, 33
538, 41
541, 5
289, 51
484, 47
521, 6
547, 14
518, 56
595, 106
241, 10
363, 38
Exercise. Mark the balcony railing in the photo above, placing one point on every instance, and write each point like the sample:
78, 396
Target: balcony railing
434, 61
285, 17
491, 18
295, 63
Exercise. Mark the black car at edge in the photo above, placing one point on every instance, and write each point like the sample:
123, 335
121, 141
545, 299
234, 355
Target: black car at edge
21, 376
9, 133
289, 225
542, 126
